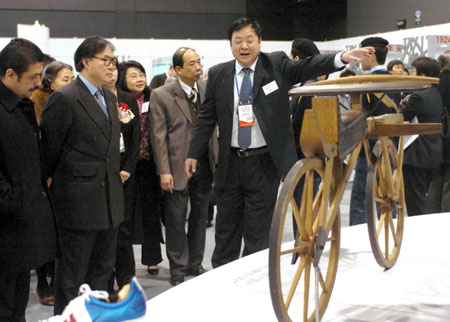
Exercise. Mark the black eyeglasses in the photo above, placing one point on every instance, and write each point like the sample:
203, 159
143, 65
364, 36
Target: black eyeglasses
108, 60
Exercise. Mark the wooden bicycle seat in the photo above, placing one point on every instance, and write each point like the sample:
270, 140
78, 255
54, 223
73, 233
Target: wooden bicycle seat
365, 84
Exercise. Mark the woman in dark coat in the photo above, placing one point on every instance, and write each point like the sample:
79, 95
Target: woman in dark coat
148, 191
128, 113
56, 75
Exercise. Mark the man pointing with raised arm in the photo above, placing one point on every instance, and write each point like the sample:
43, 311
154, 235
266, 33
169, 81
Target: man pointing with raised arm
248, 99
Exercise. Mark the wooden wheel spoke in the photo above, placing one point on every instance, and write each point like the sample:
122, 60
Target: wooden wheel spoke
322, 282
306, 290
300, 248
380, 185
309, 191
394, 233
298, 274
386, 237
298, 217
380, 224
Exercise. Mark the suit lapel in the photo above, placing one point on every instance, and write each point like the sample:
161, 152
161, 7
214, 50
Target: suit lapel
258, 77
181, 101
201, 90
90, 105
228, 85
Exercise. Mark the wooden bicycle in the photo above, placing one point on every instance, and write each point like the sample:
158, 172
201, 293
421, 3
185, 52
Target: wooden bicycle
329, 137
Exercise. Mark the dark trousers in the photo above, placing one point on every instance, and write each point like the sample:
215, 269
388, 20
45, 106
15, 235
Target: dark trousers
417, 181
185, 250
151, 205
125, 267
14, 292
245, 207
438, 197
87, 256
358, 196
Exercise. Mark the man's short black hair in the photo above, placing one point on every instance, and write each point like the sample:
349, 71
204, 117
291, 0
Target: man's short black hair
303, 47
380, 45
18, 55
177, 59
90, 47
394, 62
242, 23
426, 66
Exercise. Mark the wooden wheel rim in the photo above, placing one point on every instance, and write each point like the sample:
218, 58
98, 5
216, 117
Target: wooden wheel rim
281, 309
379, 218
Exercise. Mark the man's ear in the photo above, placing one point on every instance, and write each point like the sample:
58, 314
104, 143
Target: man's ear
85, 62
11, 74
177, 69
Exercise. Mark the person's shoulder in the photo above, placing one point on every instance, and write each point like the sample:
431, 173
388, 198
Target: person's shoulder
222, 67
167, 89
380, 72
70, 90
124, 96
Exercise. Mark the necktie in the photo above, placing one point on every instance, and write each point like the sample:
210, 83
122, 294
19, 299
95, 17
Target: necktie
195, 103
193, 96
99, 98
245, 132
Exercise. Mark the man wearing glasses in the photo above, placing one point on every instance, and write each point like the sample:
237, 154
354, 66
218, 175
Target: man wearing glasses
80, 133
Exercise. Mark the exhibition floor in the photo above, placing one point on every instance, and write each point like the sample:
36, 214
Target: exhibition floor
417, 288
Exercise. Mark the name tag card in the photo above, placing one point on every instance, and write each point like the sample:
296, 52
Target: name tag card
145, 107
246, 117
269, 88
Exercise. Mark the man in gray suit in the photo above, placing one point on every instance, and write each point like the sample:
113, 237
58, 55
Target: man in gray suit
173, 112
81, 134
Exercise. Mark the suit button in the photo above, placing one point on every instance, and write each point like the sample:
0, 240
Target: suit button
35, 134
103, 183
44, 194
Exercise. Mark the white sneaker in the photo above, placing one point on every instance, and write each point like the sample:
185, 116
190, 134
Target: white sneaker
92, 306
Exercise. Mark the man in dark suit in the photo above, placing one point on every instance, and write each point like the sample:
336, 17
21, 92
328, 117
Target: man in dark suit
372, 65
81, 131
160, 79
173, 113
248, 99
27, 225
424, 155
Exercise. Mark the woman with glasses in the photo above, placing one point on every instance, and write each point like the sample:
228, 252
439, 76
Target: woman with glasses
128, 113
148, 191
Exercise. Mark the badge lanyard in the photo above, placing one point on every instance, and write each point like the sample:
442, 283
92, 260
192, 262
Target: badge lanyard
239, 94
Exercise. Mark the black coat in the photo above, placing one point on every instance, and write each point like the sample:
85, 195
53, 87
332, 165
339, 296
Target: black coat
131, 134
272, 111
158, 80
129, 158
81, 147
426, 150
444, 89
27, 225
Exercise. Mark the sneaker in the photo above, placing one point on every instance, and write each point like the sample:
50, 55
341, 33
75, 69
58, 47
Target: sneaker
92, 306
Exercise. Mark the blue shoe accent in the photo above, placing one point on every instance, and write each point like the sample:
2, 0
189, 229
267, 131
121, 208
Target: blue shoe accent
132, 307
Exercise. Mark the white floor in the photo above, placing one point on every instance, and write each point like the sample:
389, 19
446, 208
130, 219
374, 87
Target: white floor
155, 285
417, 288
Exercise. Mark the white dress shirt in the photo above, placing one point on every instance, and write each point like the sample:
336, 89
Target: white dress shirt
257, 136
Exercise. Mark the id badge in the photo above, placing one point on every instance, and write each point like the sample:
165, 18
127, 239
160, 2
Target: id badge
246, 117
122, 144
